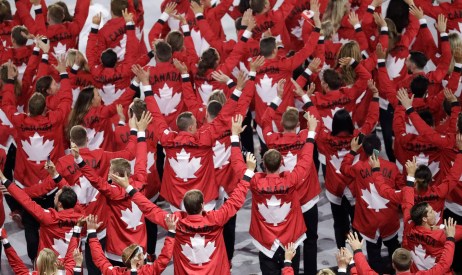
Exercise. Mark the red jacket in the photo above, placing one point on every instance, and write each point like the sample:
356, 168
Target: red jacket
450, 10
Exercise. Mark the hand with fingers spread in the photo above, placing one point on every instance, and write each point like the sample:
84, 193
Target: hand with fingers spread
256, 63
92, 222
78, 257
196, 8
376, 3
353, 241
441, 23
417, 12
127, 16
355, 144
251, 161
220, 77
180, 66
374, 161
290, 252
143, 75
312, 121
315, 65
379, 20
60, 265
459, 141
145, 120
345, 61
120, 181
45, 47
241, 80
311, 89
236, 125
373, 88
97, 18
380, 52
61, 66
170, 8
280, 87
132, 122
404, 98
450, 227
81, 221
344, 257
450, 97
353, 18
251, 23
411, 167
120, 112
75, 150
2, 177
171, 220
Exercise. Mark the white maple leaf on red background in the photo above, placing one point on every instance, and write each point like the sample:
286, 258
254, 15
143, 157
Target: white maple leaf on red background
200, 44
290, 160
132, 217
75, 95
21, 70
59, 49
221, 154
337, 39
198, 252
138, 32
95, 139
85, 192
266, 90
327, 120
373, 199
20, 109
274, 213
394, 66
184, 167
167, 101
4, 119
336, 160
205, 90
420, 258
151, 161
109, 94
37, 150
242, 67
120, 50
297, 30
60, 245
423, 159
410, 129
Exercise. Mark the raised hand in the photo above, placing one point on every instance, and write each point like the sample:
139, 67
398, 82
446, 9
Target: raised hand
171, 221
449, 95
404, 98
256, 63
236, 125
142, 75
355, 144
220, 77
97, 18
353, 241
373, 88
411, 167
127, 16
196, 8
45, 47
170, 8
180, 66
51, 168
60, 264
459, 141
374, 161
281, 84
379, 20
353, 18
251, 161
92, 222
61, 66
380, 52
312, 121
241, 80
345, 61
120, 181
343, 257
75, 150
290, 252
315, 65
441, 23
78, 257
81, 221
145, 120
297, 88
416, 11
120, 112
450, 227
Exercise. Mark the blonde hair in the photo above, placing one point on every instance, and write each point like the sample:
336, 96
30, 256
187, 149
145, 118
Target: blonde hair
219, 96
327, 29
71, 57
455, 42
334, 12
349, 49
46, 262
393, 35
325, 271
121, 166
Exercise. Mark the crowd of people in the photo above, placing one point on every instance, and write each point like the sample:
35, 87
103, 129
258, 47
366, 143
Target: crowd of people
91, 142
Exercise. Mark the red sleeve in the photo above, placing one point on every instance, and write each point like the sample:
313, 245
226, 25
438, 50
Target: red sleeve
454, 80
362, 40
266, 122
372, 116
362, 265
38, 190
209, 35
424, 130
111, 110
24, 14
150, 210
304, 160
80, 16
111, 192
141, 162
286, 8
234, 57
237, 161
385, 190
444, 264
69, 262
411, 31
220, 10
290, 64
407, 203
192, 58
452, 178
65, 95
16, 264
160, 125
232, 205
40, 26
347, 164
386, 86
424, 42
223, 121
42, 216
287, 270
97, 254
128, 153
430, 9
131, 52
93, 52
193, 104
42, 69
246, 97
29, 73
399, 124
9, 101
156, 31
443, 63
163, 259
454, 118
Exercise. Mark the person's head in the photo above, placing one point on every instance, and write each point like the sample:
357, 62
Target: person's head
109, 58
46, 262
290, 119
5, 11
133, 254
37, 104
17, 39
327, 29
218, 95
209, 60
187, 122
120, 167
87, 98
416, 61
163, 51
398, 12
272, 161
213, 109
401, 260
268, 47
371, 142
335, 11
4, 78
331, 80
243, 6
117, 6
349, 49
65, 198
176, 40
46, 85
427, 116
422, 213
55, 14
71, 59
325, 271
78, 135
238, 24
419, 86
67, 16
193, 202
260, 6
137, 108
423, 177
342, 123
455, 42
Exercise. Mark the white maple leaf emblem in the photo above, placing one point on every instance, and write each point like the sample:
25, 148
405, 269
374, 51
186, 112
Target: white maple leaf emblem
21, 70
274, 213
205, 90
138, 33
373, 199
20, 109
266, 90
237, 70
297, 30
167, 101
75, 95
420, 258
60, 245
36, 149
151, 161
327, 120
59, 49
337, 39
458, 30
109, 94
410, 129
336, 160
221, 155
4, 120
423, 159
200, 44
183, 167
394, 66
198, 253
132, 217
174, 24
120, 50
290, 160
85, 192
95, 139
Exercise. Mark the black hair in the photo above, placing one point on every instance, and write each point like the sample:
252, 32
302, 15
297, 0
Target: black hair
342, 122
